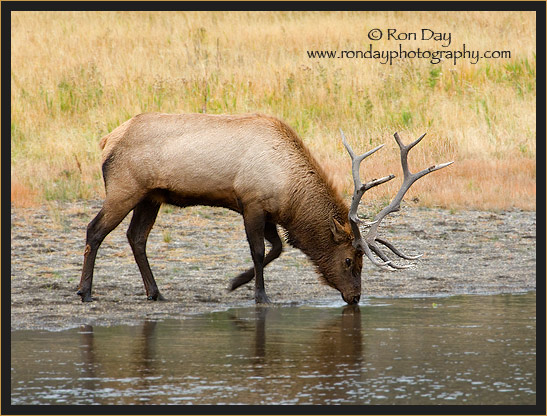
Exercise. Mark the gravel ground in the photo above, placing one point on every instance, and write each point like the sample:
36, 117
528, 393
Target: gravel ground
196, 251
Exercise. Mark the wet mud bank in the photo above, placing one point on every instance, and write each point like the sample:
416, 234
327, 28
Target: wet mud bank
195, 252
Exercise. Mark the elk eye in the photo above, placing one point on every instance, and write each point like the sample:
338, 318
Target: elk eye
348, 262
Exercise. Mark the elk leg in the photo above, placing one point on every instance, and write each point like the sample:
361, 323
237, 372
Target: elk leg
270, 233
108, 218
144, 216
254, 228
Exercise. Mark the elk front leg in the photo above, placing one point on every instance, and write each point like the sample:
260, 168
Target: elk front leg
144, 216
254, 221
270, 233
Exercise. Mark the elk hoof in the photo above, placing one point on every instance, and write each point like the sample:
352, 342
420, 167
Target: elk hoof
157, 296
261, 297
233, 285
86, 297
240, 280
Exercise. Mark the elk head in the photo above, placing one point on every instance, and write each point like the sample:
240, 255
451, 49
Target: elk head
367, 244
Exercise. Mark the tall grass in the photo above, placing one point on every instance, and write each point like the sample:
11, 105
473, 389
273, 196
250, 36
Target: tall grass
75, 76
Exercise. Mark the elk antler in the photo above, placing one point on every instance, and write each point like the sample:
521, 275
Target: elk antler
371, 237
359, 191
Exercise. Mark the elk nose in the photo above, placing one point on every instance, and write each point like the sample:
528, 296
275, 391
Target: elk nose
352, 300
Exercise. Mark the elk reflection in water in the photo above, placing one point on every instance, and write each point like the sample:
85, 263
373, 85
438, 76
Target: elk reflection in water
258, 344
469, 350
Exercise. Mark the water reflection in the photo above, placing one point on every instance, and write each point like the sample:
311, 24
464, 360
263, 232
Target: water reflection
298, 354
478, 350
264, 335
336, 337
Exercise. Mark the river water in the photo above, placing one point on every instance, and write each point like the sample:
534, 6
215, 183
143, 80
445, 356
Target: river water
449, 350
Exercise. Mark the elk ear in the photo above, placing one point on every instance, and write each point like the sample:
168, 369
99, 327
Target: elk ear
337, 230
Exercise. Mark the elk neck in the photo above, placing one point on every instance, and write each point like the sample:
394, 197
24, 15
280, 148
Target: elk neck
313, 204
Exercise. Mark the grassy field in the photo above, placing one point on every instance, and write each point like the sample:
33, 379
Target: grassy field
75, 76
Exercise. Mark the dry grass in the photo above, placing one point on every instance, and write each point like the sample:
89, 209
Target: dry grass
22, 195
78, 75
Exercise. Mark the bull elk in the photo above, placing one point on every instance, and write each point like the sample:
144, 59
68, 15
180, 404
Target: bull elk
255, 165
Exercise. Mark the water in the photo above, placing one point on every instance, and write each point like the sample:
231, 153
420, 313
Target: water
453, 350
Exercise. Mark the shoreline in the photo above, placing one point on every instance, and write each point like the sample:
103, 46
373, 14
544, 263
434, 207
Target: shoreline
196, 251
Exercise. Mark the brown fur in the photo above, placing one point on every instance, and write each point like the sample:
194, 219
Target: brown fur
253, 164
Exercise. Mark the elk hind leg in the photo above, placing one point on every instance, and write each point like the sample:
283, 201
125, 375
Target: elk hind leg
108, 218
144, 216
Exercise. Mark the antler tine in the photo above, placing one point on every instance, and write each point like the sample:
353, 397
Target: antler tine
404, 151
397, 251
388, 261
367, 251
409, 179
356, 161
359, 190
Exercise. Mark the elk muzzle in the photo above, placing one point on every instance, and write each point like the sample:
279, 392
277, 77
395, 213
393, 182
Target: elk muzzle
351, 299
